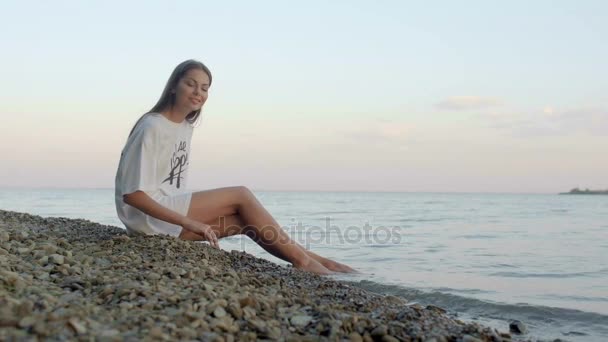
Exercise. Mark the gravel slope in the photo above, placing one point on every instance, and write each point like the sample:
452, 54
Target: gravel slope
75, 279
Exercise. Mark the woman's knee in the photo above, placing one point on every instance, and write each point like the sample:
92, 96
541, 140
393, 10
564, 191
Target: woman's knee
244, 194
243, 190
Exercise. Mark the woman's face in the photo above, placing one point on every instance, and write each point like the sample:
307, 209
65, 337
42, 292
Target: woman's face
192, 90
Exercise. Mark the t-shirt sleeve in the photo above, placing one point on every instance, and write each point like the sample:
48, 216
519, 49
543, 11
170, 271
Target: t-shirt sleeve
139, 160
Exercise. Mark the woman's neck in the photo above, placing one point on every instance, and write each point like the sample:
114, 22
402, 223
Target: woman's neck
175, 114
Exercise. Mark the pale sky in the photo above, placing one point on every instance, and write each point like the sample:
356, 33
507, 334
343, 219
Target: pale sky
468, 96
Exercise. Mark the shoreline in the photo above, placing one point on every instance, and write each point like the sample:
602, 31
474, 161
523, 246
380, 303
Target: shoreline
66, 278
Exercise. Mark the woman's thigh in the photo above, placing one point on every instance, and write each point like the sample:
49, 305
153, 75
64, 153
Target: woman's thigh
222, 226
209, 205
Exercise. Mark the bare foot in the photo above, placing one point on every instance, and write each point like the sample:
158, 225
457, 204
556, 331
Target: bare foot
311, 265
330, 264
337, 267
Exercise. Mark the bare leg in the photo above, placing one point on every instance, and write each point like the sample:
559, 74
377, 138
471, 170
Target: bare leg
234, 225
330, 264
260, 225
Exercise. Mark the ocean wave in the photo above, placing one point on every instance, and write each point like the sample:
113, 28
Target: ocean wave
542, 320
477, 236
503, 266
422, 219
466, 291
546, 275
332, 212
575, 298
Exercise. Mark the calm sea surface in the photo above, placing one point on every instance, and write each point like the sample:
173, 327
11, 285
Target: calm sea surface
541, 259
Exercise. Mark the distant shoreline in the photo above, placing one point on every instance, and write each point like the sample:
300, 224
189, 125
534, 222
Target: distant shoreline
61, 188
577, 191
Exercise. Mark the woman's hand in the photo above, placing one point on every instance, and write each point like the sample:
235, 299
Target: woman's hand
201, 229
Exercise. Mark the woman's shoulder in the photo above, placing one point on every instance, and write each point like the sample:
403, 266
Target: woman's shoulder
156, 123
151, 120
157, 119
148, 124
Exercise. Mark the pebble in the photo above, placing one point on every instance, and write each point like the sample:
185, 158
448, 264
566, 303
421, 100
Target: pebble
109, 333
43, 260
154, 276
300, 320
27, 321
436, 308
517, 327
219, 312
77, 326
389, 338
380, 331
355, 337
57, 259
77, 280
469, 338
257, 324
235, 310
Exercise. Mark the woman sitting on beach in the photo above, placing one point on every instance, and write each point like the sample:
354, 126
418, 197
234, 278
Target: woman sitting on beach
152, 175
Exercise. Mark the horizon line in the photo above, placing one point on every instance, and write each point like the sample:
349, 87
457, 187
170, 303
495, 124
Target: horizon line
295, 190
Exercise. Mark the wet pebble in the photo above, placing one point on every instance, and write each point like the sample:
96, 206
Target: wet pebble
517, 327
78, 280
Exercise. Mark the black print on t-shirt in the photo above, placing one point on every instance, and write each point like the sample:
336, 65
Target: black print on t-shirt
179, 161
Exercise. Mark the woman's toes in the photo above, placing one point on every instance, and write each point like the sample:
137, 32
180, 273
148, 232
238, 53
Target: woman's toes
314, 266
337, 267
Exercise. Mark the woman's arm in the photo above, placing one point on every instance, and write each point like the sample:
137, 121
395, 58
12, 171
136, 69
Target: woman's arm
147, 205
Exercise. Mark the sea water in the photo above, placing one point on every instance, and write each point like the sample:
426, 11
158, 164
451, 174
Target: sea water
491, 258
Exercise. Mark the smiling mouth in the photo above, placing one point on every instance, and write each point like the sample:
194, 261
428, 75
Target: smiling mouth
196, 101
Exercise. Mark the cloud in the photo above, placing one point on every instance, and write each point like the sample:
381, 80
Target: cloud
554, 122
468, 103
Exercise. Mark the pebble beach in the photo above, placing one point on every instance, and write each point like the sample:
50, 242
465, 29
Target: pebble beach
73, 279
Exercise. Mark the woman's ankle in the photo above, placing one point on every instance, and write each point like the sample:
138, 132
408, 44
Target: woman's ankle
311, 265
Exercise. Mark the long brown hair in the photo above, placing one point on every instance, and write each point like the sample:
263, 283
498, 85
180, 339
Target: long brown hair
167, 98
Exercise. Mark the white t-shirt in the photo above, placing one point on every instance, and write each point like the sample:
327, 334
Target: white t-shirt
155, 161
